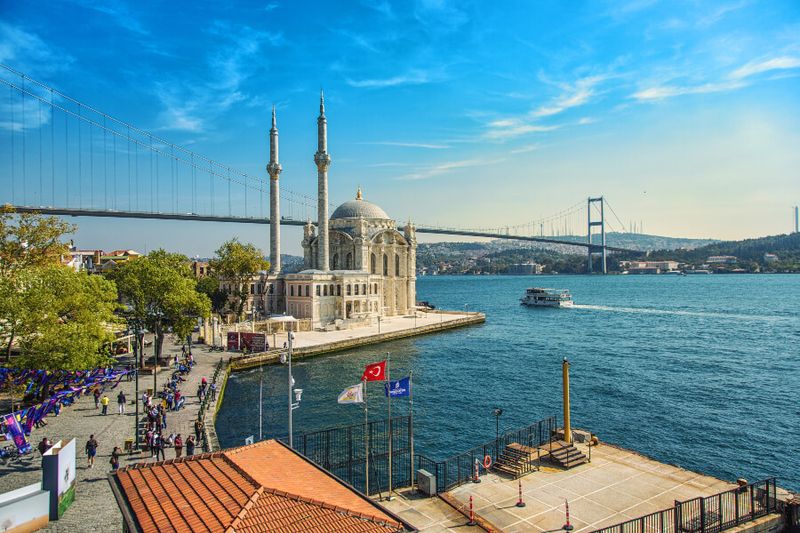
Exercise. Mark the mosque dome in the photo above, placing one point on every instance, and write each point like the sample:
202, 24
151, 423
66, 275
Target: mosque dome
359, 208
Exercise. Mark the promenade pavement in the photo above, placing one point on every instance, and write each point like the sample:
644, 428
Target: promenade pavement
95, 508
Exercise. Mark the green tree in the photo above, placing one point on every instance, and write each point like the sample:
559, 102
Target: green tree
209, 285
161, 293
30, 239
68, 319
235, 264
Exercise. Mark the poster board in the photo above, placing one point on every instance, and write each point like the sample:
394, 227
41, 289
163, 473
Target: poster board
254, 342
58, 477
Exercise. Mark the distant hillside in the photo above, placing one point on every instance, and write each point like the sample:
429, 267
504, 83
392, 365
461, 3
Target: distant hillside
638, 241
786, 247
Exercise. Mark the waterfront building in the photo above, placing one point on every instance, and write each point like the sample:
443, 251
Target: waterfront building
648, 267
358, 265
721, 260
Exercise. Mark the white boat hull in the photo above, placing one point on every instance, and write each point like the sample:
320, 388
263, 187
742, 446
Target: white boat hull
528, 303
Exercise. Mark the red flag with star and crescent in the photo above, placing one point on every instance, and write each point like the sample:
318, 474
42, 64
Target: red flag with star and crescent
375, 372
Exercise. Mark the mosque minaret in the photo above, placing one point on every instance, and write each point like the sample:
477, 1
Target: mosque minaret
323, 161
274, 171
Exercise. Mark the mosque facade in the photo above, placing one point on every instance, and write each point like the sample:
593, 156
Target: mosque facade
358, 265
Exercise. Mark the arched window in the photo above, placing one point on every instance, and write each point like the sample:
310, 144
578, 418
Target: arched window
325, 290
372, 264
385, 265
335, 262
356, 289
319, 289
348, 290
338, 290
397, 265
291, 290
349, 260
308, 290
364, 288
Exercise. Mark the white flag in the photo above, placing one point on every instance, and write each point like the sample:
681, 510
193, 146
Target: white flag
354, 394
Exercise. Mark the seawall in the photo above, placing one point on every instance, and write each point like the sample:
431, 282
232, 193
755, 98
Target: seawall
273, 356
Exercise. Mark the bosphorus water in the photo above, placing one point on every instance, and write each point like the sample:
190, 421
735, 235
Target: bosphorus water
699, 371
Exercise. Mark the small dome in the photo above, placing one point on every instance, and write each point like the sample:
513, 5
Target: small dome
359, 208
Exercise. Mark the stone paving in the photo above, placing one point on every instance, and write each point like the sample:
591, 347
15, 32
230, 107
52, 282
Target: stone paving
427, 514
616, 486
95, 508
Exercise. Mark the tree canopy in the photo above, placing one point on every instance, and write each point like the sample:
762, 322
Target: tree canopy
236, 263
30, 240
161, 293
64, 319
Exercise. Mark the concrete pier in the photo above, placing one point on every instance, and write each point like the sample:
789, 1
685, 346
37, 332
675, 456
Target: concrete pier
310, 343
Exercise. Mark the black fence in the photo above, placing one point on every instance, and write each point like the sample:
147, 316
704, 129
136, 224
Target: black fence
460, 468
709, 514
342, 451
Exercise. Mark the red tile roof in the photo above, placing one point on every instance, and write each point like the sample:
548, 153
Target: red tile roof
261, 487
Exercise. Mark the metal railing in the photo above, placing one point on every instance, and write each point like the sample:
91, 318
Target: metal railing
204, 404
459, 469
707, 514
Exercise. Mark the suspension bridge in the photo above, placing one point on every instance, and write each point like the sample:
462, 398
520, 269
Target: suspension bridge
61, 156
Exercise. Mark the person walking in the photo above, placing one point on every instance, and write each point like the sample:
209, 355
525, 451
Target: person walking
190, 446
96, 395
121, 402
178, 446
91, 450
115, 458
198, 430
214, 392
104, 402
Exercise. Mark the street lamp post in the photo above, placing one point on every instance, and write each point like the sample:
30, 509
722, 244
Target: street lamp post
497, 413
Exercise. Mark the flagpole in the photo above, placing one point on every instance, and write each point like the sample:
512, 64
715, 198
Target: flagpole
411, 425
389, 402
366, 441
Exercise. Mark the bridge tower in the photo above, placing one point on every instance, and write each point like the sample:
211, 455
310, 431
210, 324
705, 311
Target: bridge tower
593, 249
274, 171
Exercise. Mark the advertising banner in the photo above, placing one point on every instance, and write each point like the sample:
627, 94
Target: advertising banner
58, 477
16, 434
252, 342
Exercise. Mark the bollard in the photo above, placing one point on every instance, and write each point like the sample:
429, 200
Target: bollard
567, 526
520, 503
477, 479
471, 514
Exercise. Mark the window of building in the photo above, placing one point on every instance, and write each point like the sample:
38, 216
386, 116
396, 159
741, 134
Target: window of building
356, 289
252, 288
335, 262
372, 263
385, 265
318, 290
308, 290
291, 290
348, 289
364, 288
349, 260
338, 290
325, 290
396, 265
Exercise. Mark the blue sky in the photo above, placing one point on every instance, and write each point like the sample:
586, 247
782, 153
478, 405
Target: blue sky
686, 115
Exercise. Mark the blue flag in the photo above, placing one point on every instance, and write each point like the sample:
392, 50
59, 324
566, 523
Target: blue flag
401, 387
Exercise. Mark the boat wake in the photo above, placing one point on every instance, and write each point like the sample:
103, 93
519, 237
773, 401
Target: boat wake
651, 311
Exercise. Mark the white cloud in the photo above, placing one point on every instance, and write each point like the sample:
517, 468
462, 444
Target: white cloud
412, 77
526, 149
118, 11
446, 167
410, 145
575, 95
669, 91
757, 67
27, 52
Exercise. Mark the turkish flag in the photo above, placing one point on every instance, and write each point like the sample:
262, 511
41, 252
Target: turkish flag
375, 372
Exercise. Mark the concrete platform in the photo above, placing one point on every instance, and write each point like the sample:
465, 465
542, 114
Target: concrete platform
616, 486
427, 514
309, 343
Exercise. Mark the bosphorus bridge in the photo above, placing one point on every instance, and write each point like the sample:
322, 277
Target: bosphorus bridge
61, 156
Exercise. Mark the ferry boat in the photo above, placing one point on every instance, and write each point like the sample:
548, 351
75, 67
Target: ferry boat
537, 297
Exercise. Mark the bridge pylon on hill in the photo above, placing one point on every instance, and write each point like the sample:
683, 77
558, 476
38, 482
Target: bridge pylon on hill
593, 249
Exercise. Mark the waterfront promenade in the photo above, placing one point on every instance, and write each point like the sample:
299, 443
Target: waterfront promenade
95, 508
309, 343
